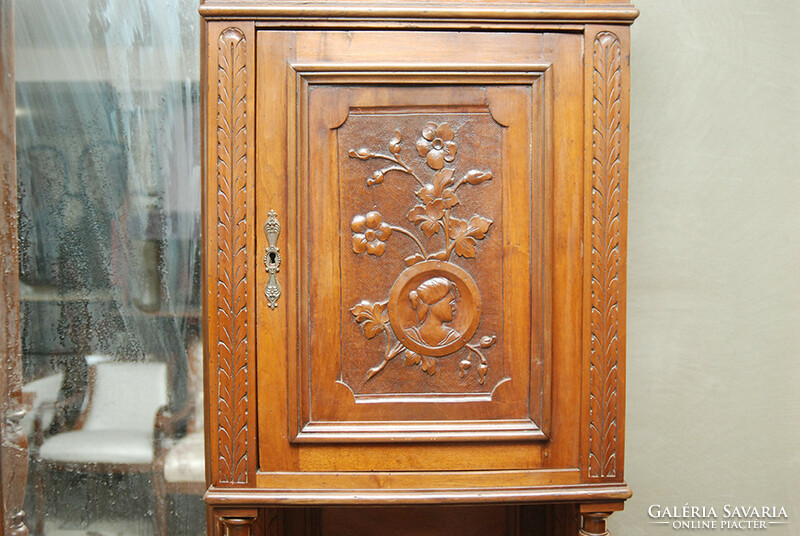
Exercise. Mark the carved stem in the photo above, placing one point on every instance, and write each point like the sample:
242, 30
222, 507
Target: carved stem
390, 354
399, 163
410, 235
479, 353
448, 245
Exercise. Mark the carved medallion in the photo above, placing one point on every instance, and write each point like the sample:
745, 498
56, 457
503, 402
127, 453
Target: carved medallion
434, 306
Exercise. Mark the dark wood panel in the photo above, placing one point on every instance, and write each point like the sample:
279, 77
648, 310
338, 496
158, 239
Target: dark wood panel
461, 521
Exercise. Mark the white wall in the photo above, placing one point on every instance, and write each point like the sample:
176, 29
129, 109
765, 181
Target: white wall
714, 260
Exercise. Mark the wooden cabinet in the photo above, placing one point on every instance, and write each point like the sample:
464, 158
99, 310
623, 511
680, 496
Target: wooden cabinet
415, 222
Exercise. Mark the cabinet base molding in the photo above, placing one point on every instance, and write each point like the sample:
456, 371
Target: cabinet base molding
453, 496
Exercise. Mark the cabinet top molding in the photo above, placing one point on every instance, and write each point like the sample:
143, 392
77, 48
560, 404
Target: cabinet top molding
419, 12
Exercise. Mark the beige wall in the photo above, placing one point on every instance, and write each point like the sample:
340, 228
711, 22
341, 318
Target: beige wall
714, 260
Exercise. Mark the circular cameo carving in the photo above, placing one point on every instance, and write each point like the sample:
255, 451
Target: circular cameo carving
434, 308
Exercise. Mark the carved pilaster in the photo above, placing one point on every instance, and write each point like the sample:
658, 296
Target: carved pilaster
232, 257
605, 345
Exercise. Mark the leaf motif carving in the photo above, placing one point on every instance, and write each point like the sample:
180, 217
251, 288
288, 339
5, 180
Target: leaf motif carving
605, 255
429, 365
427, 217
413, 259
232, 256
463, 244
466, 234
412, 358
373, 317
441, 180
478, 227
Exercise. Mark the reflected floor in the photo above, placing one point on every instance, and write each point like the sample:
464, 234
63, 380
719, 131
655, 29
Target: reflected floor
111, 505
110, 527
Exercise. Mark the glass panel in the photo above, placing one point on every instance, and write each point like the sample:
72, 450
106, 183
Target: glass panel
108, 170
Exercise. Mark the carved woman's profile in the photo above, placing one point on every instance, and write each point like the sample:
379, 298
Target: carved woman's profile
435, 302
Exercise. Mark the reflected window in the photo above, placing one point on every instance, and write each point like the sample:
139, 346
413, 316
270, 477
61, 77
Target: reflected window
108, 170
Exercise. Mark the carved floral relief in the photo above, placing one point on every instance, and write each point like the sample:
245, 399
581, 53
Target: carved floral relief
434, 305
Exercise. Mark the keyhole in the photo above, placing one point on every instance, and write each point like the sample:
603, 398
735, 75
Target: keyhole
272, 257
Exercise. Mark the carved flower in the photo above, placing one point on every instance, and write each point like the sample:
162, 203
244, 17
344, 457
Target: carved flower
370, 233
436, 145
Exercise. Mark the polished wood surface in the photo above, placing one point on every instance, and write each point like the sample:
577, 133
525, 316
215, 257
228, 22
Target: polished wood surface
415, 265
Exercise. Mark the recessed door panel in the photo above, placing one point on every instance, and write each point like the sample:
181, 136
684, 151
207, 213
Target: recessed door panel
417, 245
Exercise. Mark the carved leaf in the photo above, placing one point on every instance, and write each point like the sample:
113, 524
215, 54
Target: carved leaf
413, 259
441, 180
478, 227
373, 317
232, 256
477, 177
439, 256
429, 365
449, 198
412, 358
464, 245
465, 234
427, 217
426, 193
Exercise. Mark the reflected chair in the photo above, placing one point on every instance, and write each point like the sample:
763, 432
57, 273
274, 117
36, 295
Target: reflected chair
179, 465
114, 433
39, 398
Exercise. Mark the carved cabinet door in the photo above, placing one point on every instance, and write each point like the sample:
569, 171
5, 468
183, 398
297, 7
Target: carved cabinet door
414, 177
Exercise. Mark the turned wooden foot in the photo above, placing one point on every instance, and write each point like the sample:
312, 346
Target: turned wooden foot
236, 522
594, 524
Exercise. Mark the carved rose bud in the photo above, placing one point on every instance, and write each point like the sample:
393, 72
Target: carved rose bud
394, 143
376, 178
482, 371
488, 340
463, 366
477, 177
370, 233
361, 154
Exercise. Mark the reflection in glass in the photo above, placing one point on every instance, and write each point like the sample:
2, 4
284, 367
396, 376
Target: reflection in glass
109, 240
